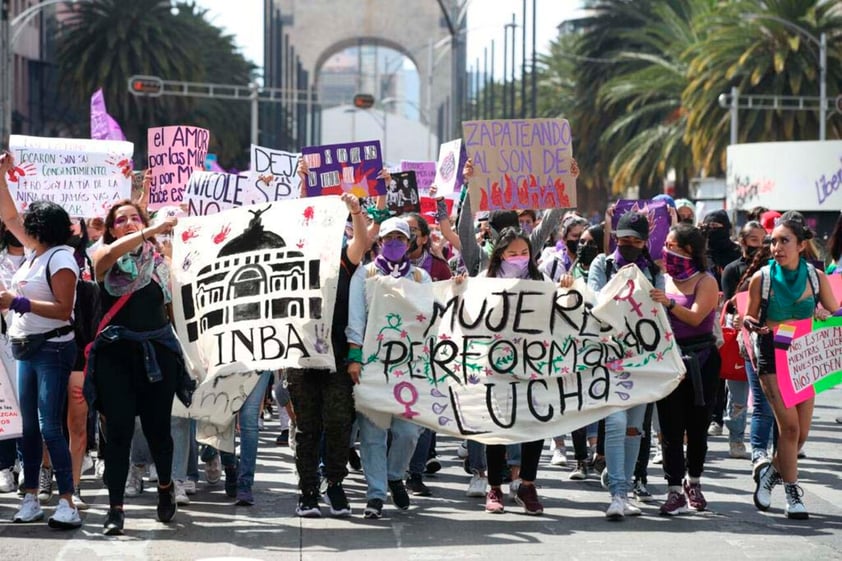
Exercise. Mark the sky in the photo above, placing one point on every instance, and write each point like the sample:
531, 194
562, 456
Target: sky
486, 20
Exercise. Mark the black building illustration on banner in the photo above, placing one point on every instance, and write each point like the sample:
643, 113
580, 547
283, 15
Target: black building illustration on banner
255, 277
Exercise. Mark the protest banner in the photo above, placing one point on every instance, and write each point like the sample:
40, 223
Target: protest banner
11, 425
520, 163
273, 174
502, 360
402, 193
345, 168
452, 157
660, 222
103, 125
425, 174
209, 192
175, 152
808, 357
84, 176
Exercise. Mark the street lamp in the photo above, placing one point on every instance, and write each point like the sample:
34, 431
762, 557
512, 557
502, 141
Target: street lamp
9, 33
821, 42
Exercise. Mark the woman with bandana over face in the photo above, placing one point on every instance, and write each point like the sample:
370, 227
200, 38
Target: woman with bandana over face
691, 297
513, 258
624, 429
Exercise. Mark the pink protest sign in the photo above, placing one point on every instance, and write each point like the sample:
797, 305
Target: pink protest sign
174, 154
808, 358
425, 174
835, 281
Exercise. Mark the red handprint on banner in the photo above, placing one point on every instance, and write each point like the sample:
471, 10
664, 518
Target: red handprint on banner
190, 233
222, 235
27, 169
123, 164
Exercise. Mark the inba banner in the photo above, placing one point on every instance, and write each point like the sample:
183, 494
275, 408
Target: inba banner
503, 361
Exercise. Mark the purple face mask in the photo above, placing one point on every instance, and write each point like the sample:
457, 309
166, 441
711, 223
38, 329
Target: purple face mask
678, 266
394, 250
514, 267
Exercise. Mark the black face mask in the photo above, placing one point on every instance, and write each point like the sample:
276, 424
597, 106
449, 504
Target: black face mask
686, 221
585, 254
75, 241
751, 252
718, 238
10, 240
572, 246
629, 252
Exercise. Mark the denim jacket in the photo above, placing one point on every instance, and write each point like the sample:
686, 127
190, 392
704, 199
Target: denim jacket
164, 336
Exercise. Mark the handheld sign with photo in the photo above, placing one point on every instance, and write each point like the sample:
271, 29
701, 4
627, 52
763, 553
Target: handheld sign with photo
452, 158
174, 154
425, 174
273, 174
345, 168
402, 193
521, 163
808, 357
84, 176
659, 222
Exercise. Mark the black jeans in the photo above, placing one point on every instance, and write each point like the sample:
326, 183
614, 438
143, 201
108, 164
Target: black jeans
678, 414
323, 403
124, 392
530, 455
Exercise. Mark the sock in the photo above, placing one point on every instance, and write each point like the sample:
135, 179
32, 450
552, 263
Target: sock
675, 488
695, 480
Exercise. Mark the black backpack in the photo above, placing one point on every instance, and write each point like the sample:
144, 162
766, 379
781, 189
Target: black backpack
87, 311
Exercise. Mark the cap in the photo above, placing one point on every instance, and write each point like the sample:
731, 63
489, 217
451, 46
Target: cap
768, 220
633, 225
399, 225
685, 203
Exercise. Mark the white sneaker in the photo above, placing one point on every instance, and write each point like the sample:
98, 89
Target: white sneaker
462, 452
659, 455
190, 487
513, 487
559, 457
738, 451
715, 429
181, 498
629, 509
30, 509
99, 468
65, 517
7, 481
617, 508
478, 487
134, 482
261, 425
78, 501
87, 463
153, 474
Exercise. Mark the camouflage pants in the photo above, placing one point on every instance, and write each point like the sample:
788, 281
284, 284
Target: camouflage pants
324, 404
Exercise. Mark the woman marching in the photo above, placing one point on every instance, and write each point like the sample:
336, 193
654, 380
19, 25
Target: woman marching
788, 289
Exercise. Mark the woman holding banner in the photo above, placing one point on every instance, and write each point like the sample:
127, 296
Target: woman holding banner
43, 343
788, 289
135, 366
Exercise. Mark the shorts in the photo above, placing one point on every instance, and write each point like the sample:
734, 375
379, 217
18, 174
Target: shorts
764, 351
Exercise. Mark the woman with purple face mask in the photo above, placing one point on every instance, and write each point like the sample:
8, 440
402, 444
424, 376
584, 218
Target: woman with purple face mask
513, 259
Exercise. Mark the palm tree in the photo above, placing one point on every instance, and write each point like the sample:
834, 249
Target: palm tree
747, 47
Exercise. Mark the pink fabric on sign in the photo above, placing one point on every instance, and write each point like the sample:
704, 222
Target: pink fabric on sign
103, 125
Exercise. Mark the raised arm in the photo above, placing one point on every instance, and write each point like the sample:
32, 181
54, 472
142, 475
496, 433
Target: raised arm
8, 211
105, 257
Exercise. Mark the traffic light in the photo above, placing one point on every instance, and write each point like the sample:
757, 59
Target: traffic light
149, 86
363, 101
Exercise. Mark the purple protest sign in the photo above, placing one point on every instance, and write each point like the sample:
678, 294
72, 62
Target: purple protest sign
425, 174
103, 125
659, 222
345, 168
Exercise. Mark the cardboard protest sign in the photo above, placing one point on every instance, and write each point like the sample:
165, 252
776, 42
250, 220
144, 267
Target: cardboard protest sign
345, 168
254, 287
11, 425
402, 193
425, 174
808, 357
452, 157
174, 154
209, 192
520, 163
502, 361
273, 174
660, 222
84, 176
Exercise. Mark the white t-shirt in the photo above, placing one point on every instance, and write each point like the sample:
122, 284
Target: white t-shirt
31, 281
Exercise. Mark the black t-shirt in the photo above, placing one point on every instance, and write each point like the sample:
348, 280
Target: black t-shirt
340, 309
144, 311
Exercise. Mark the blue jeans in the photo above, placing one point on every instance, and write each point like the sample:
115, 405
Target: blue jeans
621, 448
42, 388
735, 411
476, 456
762, 417
418, 463
180, 430
140, 454
248, 415
378, 466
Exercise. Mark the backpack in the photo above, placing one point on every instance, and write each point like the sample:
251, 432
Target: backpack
87, 310
766, 288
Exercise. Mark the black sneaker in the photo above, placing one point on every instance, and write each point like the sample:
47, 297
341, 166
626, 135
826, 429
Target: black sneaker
166, 503
283, 438
336, 500
433, 466
415, 485
354, 460
308, 504
231, 481
114, 521
399, 495
373, 509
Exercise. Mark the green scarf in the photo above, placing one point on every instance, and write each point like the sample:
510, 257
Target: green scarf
788, 284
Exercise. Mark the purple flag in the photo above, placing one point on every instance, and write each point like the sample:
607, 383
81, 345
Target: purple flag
103, 125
